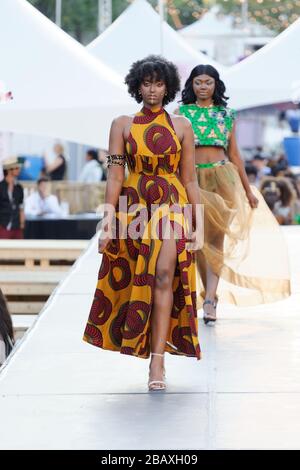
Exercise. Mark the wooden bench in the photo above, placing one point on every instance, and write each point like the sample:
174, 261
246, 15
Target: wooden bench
31, 269
21, 323
40, 254
27, 291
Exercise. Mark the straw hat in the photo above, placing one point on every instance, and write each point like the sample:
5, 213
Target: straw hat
11, 163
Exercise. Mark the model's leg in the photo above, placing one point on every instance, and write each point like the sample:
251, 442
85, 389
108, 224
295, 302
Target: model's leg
211, 278
201, 266
162, 305
212, 281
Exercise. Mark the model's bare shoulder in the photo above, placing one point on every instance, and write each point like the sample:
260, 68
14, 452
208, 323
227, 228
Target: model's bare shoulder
181, 121
121, 120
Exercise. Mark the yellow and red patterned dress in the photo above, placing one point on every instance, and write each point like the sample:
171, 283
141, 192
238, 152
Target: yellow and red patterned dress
119, 318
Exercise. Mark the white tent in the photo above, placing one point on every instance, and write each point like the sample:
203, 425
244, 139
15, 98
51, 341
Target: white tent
211, 24
136, 33
270, 75
221, 37
213, 34
59, 89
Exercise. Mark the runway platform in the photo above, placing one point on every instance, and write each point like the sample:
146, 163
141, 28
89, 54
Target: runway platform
57, 392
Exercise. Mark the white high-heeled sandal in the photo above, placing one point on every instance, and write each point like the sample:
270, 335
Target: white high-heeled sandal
206, 316
162, 383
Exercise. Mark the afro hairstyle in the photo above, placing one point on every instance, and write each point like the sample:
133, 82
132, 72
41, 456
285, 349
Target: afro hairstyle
153, 67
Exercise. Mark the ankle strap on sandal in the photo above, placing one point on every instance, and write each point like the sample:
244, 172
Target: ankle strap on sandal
157, 354
211, 302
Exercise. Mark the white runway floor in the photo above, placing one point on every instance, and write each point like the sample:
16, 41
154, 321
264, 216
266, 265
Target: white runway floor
57, 392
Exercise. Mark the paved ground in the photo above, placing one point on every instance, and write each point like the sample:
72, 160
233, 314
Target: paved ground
58, 392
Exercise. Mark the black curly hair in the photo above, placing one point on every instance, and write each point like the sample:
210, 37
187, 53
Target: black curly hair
188, 96
153, 67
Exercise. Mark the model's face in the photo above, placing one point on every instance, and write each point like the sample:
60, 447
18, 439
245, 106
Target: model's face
203, 86
153, 91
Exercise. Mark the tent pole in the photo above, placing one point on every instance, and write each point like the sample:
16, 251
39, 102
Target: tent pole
245, 7
58, 12
104, 14
161, 14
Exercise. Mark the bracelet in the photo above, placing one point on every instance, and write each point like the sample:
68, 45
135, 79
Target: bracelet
116, 160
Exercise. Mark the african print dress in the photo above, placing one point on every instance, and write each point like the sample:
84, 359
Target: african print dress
119, 318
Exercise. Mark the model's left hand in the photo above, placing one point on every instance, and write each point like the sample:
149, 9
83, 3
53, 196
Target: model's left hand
253, 201
195, 243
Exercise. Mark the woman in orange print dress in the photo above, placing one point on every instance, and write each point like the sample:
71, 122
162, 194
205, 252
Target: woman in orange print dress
145, 298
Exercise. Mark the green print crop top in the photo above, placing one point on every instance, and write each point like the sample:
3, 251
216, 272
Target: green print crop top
212, 125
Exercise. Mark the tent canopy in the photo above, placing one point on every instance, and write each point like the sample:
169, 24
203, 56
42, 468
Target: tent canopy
136, 34
269, 76
210, 24
59, 89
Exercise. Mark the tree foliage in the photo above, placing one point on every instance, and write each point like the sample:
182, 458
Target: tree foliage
79, 17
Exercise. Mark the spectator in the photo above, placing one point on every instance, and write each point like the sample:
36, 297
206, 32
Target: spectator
12, 219
260, 164
258, 151
296, 183
102, 157
252, 171
41, 202
56, 170
280, 197
280, 167
92, 171
270, 192
7, 340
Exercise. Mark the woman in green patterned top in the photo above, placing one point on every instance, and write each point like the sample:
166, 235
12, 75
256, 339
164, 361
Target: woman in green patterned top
234, 211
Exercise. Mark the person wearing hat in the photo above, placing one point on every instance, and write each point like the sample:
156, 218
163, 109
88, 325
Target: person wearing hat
12, 219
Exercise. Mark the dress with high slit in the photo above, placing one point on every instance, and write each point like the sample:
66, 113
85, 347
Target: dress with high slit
119, 317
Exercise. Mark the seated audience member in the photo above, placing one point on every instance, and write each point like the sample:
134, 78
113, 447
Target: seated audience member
6, 330
41, 202
92, 171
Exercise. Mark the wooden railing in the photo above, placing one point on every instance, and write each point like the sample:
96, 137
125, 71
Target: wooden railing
82, 197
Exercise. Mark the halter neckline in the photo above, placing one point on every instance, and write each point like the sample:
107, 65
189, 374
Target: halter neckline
153, 111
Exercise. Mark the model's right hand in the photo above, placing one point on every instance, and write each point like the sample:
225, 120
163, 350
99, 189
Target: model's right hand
102, 244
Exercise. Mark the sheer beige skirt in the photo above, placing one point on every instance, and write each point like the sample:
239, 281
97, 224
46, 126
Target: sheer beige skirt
244, 246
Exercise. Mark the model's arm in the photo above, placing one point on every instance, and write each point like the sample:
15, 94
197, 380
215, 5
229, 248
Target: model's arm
187, 171
115, 177
235, 157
